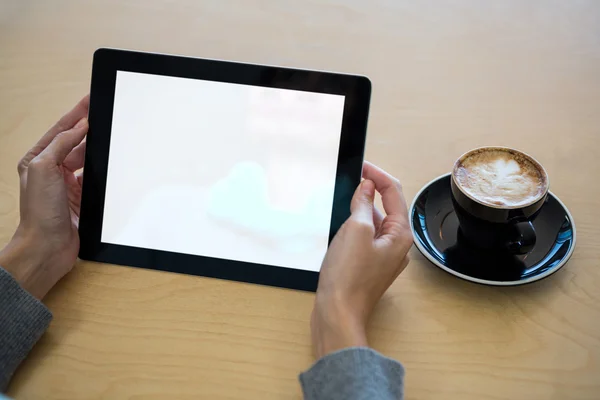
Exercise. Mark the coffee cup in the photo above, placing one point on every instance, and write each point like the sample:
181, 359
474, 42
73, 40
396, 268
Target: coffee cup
497, 192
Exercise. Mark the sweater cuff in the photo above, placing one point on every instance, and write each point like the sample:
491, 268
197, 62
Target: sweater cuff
354, 373
23, 320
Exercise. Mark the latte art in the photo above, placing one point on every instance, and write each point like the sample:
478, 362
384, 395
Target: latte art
500, 177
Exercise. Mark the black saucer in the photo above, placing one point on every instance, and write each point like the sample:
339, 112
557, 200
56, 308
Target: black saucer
438, 237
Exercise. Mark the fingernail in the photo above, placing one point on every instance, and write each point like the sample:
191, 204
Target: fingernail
81, 123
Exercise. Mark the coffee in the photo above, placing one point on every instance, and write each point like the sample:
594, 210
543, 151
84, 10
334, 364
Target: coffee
501, 177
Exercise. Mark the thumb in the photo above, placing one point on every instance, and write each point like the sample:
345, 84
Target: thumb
361, 207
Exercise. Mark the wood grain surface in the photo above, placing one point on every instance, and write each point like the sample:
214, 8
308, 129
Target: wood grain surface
448, 75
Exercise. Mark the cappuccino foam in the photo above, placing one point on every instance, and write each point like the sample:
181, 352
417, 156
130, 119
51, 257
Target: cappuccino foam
500, 178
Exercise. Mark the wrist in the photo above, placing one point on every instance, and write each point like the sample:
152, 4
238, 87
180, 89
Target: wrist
22, 260
335, 327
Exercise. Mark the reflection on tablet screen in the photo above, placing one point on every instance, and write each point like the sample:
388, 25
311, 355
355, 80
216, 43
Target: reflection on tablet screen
222, 170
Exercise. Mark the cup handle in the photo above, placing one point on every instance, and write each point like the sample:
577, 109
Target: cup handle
524, 238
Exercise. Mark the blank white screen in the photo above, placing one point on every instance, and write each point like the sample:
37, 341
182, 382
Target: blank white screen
222, 170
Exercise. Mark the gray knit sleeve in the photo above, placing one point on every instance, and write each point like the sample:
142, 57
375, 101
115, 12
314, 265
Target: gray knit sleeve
357, 373
23, 320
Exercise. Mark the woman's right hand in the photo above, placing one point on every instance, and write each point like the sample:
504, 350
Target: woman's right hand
45, 246
364, 258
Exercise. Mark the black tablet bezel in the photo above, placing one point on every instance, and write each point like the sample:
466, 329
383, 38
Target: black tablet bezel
357, 92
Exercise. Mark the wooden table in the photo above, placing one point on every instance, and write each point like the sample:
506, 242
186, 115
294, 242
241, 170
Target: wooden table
448, 76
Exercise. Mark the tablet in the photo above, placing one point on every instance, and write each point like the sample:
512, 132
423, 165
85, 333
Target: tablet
217, 168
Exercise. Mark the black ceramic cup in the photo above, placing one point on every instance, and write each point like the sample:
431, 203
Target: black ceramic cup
494, 226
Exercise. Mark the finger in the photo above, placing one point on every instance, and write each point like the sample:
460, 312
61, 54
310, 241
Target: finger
73, 192
64, 143
67, 122
389, 188
377, 218
361, 207
76, 158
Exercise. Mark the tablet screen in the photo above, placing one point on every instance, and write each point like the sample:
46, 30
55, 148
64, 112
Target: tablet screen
222, 170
